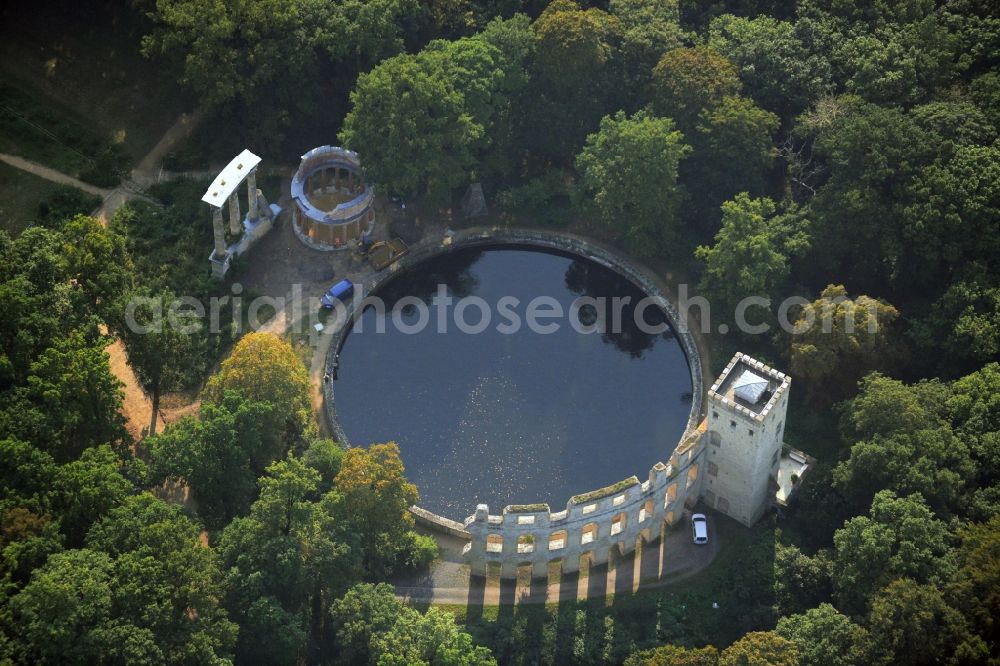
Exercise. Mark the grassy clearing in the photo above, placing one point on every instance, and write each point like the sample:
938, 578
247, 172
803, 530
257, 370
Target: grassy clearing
26, 199
87, 57
45, 131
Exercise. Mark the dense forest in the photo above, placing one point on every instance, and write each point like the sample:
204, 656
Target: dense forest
847, 153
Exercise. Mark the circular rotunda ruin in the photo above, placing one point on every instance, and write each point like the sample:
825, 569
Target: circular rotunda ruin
333, 203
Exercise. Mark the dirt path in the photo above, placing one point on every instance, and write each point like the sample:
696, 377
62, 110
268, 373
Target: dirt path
136, 406
52, 175
146, 171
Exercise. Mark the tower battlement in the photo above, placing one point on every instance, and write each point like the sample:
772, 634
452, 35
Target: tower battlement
747, 406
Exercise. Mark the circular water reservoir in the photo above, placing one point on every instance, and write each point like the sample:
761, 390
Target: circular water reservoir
503, 414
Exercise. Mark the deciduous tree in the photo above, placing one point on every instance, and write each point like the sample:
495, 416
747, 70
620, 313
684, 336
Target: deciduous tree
264, 368
751, 254
837, 340
165, 350
629, 171
900, 537
689, 79
76, 396
375, 499
780, 73
760, 648
410, 121
825, 637
286, 562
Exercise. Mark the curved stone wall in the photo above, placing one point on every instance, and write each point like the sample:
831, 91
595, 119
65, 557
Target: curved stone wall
331, 171
592, 525
595, 522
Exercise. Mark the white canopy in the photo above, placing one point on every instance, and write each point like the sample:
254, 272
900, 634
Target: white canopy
230, 178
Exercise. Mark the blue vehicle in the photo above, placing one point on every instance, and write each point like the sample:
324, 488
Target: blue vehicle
341, 291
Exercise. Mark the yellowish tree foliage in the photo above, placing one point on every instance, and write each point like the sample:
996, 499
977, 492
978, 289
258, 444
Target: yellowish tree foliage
837, 340
376, 501
265, 368
760, 648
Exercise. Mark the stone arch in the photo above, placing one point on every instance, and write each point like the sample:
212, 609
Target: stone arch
619, 523
646, 511
494, 543
589, 534
558, 540
671, 494
526, 544
555, 567
494, 570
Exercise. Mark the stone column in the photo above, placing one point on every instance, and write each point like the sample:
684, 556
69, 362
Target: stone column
234, 213
252, 196
220, 237
478, 529
540, 565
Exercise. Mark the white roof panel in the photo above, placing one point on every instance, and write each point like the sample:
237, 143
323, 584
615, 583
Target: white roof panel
749, 387
229, 178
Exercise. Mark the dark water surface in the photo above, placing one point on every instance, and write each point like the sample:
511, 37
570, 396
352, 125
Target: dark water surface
513, 418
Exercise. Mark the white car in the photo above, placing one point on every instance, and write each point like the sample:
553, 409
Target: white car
699, 528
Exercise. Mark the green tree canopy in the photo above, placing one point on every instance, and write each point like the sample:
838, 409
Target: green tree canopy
165, 580
75, 398
286, 562
164, 343
629, 170
672, 655
801, 582
97, 263
899, 537
751, 253
913, 624
931, 461
145, 591
410, 121
60, 614
976, 587
571, 69
825, 637
648, 30
732, 151
373, 627
775, 65
220, 454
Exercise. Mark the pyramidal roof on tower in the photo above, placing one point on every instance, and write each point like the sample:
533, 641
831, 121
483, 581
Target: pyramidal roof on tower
749, 386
